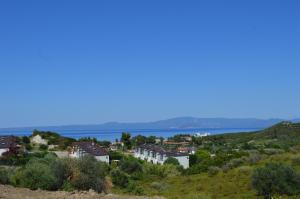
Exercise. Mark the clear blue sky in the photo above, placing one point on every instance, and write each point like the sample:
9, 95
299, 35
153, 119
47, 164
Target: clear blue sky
82, 62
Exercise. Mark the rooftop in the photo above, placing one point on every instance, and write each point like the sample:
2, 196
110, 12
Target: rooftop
7, 142
161, 150
91, 148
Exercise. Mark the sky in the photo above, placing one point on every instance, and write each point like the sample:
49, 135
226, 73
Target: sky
90, 62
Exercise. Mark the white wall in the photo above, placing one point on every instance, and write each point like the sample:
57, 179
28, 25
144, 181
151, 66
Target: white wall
103, 158
183, 161
3, 151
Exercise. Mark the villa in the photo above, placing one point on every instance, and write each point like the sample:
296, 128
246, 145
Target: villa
158, 155
79, 149
7, 143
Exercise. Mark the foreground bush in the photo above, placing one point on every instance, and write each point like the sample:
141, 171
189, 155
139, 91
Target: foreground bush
119, 178
86, 173
4, 176
35, 175
51, 173
276, 179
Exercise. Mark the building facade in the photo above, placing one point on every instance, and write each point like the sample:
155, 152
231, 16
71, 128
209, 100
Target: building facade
7, 143
79, 149
158, 155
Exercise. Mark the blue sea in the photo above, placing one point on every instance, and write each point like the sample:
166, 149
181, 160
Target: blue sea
112, 135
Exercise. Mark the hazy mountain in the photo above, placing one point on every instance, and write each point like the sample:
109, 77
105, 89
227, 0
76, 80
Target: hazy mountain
175, 123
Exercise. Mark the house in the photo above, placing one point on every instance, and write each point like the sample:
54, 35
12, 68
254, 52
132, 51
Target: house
189, 150
37, 139
7, 143
158, 155
79, 149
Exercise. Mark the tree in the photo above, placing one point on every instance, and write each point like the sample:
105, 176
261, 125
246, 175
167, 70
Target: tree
126, 140
25, 140
139, 140
130, 165
172, 161
276, 179
151, 140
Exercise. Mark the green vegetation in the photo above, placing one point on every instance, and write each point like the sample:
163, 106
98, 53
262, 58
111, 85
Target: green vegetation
172, 161
230, 166
276, 179
55, 139
52, 173
262, 164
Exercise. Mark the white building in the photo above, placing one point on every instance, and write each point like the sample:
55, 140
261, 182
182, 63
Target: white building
79, 149
37, 139
7, 143
158, 155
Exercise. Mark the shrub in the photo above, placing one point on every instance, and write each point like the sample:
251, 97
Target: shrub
296, 161
276, 179
35, 175
160, 186
233, 164
28, 147
133, 188
272, 151
254, 158
43, 147
245, 170
86, 173
67, 186
119, 178
130, 165
172, 161
213, 170
4, 176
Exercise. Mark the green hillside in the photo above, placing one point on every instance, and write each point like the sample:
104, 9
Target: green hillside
228, 172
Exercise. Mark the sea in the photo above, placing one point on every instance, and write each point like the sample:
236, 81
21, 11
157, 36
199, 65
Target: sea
112, 135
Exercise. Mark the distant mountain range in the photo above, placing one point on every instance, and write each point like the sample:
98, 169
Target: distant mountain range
175, 123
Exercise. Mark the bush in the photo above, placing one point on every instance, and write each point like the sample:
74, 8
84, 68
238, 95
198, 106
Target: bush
296, 161
4, 176
172, 161
213, 170
43, 147
244, 170
86, 173
130, 165
133, 188
119, 178
35, 175
160, 186
254, 158
67, 186
276, 179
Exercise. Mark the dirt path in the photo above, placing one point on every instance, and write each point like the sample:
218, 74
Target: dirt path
8, 192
